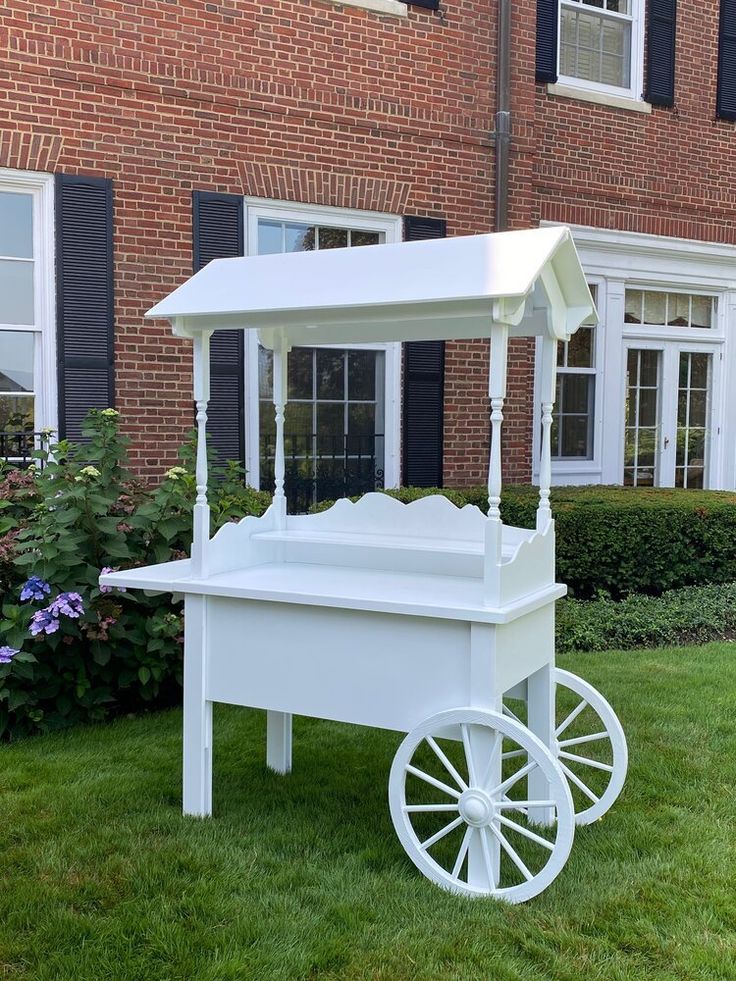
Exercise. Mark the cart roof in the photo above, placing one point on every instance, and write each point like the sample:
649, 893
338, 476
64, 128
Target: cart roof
433, 290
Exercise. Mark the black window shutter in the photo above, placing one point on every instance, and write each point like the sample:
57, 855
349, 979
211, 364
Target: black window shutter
424, 388
726, 97
661, 52
548, 19
84, 299
218, 234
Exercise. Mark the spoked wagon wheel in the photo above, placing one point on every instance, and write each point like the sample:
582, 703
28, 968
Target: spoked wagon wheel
459, 809
590, 745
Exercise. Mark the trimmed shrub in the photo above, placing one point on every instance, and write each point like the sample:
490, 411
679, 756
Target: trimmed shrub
693, 615
612, 541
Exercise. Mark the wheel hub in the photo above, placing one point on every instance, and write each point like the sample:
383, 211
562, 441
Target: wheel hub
476, 807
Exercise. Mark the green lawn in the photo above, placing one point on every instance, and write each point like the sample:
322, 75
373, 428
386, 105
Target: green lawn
302, 877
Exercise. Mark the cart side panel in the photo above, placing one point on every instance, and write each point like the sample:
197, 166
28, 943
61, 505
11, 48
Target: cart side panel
375, 669
524, 646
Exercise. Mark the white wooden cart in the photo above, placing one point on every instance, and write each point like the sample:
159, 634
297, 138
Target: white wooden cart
419, 617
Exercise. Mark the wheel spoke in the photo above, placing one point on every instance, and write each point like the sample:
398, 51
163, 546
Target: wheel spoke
587, 761
446, 763
428, 808
592, 738
487, 857
441, 833
433, 781
492, 758
571, 717
512, 805
511, 852
465, 845
507, 711
515, 804
513, 753
527, 833
510, 781
579, 783
469, 756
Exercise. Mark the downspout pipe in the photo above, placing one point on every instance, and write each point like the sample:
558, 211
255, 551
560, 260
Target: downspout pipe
503, 115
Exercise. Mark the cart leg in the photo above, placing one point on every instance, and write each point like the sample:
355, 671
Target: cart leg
278, 741
197, 791
541, 721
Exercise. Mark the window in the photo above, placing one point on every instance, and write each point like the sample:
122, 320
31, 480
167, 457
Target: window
601, 44
574, 409
642, 414
26, 358
337, 441
654, 308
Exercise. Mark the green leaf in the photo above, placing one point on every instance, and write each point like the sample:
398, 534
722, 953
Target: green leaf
144, 674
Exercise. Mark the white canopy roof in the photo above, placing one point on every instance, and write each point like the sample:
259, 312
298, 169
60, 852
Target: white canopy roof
439, 289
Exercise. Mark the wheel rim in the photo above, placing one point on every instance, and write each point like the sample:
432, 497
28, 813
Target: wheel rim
459, 808
582, 753
589, 744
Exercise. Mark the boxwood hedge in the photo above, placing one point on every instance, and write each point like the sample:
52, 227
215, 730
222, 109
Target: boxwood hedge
612, 541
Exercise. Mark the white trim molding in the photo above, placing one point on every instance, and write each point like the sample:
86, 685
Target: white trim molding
392, 7
616, 261
41, 187
389, 227
567, 91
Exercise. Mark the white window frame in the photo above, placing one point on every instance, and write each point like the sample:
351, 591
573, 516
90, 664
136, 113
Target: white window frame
571, 470
41, 187
390, 227
635, 89
620, 260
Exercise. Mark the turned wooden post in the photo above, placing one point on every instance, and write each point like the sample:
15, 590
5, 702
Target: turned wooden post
494, 525
280, 396
201, 518
547, 398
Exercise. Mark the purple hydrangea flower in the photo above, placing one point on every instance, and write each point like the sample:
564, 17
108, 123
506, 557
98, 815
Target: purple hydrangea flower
35, 588
68, 604
110, 589
43, 622
7, 654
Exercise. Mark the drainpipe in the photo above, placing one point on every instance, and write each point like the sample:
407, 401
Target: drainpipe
503, 114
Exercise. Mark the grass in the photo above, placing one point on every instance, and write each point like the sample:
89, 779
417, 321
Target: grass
302, 877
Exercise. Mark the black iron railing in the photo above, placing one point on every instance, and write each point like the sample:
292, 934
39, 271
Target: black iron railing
16, 448
320, 468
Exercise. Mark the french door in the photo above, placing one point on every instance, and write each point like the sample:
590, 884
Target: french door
668, 399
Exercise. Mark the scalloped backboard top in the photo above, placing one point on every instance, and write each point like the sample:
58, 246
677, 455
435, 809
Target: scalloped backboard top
432, 517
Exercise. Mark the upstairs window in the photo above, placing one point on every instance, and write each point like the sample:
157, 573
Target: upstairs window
601, 45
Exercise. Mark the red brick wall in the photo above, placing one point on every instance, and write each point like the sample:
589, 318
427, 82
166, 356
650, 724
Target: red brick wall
669, 173
318, 103
306, 101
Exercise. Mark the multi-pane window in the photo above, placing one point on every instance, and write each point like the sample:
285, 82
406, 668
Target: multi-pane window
596, 40
642, 412
17, 320
656, 308
692, 419
334, 423
297, 236
573, 413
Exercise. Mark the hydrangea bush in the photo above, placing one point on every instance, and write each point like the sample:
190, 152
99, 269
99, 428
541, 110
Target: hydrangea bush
70, 650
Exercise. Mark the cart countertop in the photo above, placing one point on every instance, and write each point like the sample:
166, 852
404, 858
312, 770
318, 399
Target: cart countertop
338, 587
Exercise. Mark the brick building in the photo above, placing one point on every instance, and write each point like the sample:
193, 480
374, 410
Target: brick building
138, 141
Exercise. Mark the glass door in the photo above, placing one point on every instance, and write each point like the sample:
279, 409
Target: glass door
668, 394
